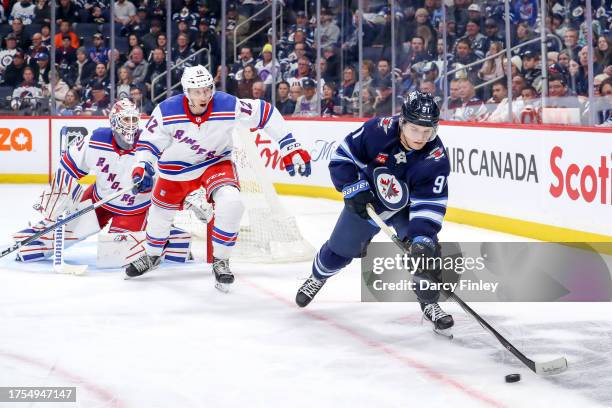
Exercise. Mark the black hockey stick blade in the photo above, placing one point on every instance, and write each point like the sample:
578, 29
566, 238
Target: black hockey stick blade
545, 368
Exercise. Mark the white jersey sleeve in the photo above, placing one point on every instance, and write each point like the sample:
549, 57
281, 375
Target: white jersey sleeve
258, 114
154, 138
74, 159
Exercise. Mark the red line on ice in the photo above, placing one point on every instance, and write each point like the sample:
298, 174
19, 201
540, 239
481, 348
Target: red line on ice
380, 346
98, 392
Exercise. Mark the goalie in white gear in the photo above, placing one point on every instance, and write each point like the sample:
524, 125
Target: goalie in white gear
189, 136
109, 153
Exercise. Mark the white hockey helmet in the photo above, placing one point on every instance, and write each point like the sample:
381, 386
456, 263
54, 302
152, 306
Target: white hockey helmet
197, 77
124, 120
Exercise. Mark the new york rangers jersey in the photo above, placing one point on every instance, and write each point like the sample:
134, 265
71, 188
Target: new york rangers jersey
184, 145
99, 154
413, 180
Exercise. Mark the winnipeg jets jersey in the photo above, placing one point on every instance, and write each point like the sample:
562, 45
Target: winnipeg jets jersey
415, 180
184, 145
100, 155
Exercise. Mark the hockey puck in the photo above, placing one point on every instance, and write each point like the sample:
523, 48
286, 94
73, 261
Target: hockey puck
512, 378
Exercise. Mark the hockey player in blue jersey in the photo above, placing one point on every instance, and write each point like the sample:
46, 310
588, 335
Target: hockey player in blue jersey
397, 164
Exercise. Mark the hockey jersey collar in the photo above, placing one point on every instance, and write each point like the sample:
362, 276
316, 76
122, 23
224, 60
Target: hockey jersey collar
198, 119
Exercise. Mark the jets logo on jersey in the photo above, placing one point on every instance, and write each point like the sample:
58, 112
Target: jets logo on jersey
436, 154
391, 192
385, 123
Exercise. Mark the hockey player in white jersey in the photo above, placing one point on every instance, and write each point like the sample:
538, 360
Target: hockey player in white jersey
109, 153
189, 137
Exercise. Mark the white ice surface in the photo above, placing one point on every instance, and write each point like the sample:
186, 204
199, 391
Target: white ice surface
169, 339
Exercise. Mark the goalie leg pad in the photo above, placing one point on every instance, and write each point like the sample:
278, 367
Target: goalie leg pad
178, 247
228, 212
116, 250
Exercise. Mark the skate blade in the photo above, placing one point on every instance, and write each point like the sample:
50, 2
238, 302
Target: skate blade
447, 333
223, 287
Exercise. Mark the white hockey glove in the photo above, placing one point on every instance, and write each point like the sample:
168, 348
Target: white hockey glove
197, 204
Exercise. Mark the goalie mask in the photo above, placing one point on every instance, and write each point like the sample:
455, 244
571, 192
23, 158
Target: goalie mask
420, 109
124, 120
198, 77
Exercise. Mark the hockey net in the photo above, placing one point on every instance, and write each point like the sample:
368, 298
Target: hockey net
268, 233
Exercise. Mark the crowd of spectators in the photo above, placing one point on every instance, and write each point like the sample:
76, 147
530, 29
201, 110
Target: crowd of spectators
474, 30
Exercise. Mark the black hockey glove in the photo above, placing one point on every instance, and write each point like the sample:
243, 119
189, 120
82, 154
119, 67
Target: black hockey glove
357, 196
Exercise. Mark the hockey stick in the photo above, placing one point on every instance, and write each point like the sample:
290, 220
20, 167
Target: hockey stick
66, 220
59, 266
544, 368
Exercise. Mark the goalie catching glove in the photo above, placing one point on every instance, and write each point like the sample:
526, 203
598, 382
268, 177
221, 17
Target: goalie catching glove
63, 195
294, 156
142, 176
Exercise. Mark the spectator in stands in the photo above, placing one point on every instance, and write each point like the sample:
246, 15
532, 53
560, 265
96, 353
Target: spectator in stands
492, 68
95, 11
492, 33
603, 51
245, 84
454, 101
333, 64
524, 34
67, 11
21, 37
266, 71
604, 113
100, 78
60, 88
497, 105
367, 77
23, 10
133, 41
84, 69
230, 82
71, 105
518, 84
258, 90
184, 27
383, 71
137, 65
65, 30
207, 38
43, 69
345, 93
8, 52
125, 12
570, 40
124, 82
238, 23
36, 47
463, 56
531, 69
559, 94
563, 59
141, 24
98, 102
330, 33
26, 97
162, 42
65, 55
384, 97
526, 11
13, 75
415, 54
284, 104
245, 58
472, 108
308, 104
157, 66
429, 86
368, 98
45, 31
42, 12
149, 40
144, 104
477, 40
295, 91
303, 71
330, 103
183, 53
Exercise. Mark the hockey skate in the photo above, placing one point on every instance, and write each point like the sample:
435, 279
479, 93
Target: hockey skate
223, 275
308, 291
142, 265
442, 321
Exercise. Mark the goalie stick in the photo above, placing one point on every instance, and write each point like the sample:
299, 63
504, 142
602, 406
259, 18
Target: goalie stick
58, 253
555, 366
66, 220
